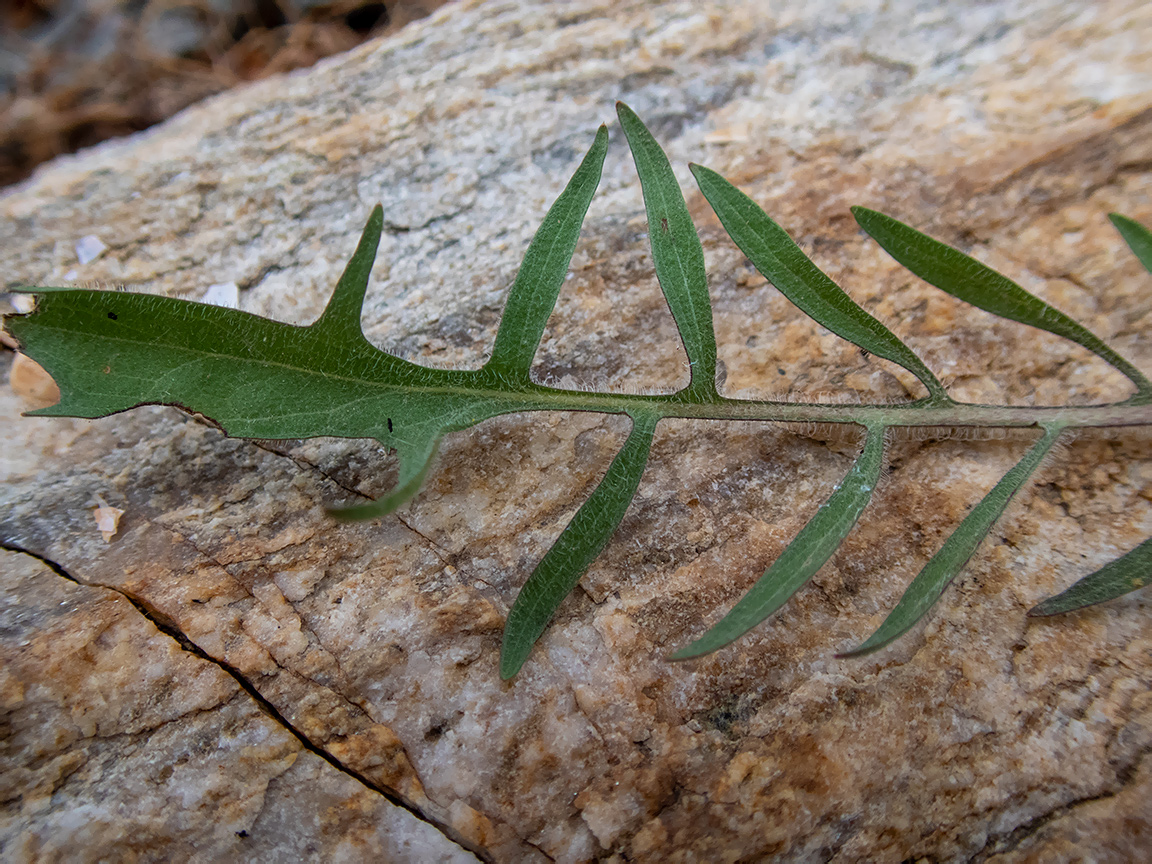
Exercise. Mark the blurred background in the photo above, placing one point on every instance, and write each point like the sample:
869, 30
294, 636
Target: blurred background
76, 72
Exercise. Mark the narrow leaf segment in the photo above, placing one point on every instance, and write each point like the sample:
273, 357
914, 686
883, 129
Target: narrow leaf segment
415, 459
814, 545
964, 277
930, 583
340, 320
785, 265
543, 271
676, 254
576, 548
1125, 574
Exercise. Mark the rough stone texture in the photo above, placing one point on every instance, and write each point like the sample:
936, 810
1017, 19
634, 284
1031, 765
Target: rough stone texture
1010, 129
103, 715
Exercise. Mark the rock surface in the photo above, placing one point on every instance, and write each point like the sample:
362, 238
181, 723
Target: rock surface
1010, 129
104, 715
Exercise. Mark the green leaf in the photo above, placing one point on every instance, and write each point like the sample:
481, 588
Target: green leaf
544, 270
930, 583
255, 378
1125, 574
964, 277
415, 460
1138, 238
814, 545
676, 253
340, 320
576, 548
785, 265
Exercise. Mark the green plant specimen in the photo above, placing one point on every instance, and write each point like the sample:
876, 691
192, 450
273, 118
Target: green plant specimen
257, 378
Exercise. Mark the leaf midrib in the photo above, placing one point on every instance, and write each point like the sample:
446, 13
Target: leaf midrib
680, 404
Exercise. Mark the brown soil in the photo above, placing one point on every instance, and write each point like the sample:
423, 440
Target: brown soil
77, 72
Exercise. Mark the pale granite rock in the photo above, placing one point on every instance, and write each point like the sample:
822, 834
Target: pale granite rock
1008, 128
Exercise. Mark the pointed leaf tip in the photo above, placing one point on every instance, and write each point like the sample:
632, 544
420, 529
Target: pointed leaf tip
341, 317
1125, 574
415, 461
807, 553
939, 572
779, 259
576, 548
1138, 238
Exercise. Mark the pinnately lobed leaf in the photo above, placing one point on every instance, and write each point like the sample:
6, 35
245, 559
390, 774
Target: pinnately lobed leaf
257, 378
